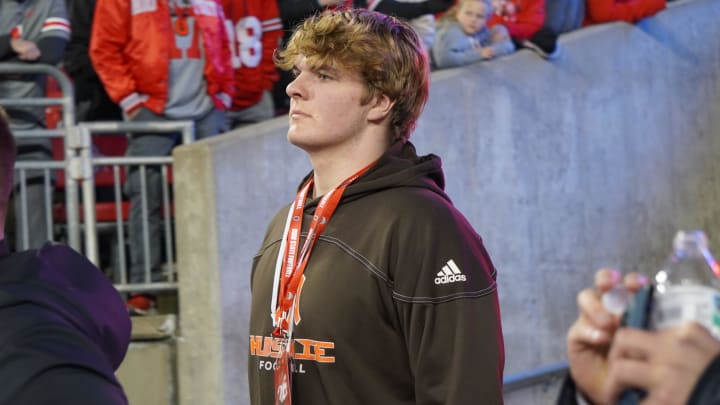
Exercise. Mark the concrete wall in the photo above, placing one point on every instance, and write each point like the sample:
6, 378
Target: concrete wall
148, 373
593, 159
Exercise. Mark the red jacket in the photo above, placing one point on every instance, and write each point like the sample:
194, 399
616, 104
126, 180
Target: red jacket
600, 11
528, 18
255, 29
130, 50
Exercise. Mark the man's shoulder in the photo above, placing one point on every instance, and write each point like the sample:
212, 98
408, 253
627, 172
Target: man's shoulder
412, 202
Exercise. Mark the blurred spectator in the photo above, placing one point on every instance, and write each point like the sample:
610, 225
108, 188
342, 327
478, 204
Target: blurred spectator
564, 15
161, 61
64, 327
523, 18
464, 37
255, 30
92, 102
31, 31
631, 11
420, 16
676, 365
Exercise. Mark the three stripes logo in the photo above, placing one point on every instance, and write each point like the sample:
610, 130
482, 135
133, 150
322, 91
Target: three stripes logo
450, 274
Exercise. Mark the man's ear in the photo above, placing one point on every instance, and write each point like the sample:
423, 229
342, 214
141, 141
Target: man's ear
380, 108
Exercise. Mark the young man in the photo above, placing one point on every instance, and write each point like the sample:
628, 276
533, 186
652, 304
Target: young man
31, 31
64, 327
383, 290
160, 61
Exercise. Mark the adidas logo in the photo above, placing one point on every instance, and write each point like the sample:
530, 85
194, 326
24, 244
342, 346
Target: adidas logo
450, 274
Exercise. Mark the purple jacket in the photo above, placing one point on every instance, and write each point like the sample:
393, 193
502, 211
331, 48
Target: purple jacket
64, 332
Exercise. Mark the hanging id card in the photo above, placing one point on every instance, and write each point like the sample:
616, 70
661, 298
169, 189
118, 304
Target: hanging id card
283, 374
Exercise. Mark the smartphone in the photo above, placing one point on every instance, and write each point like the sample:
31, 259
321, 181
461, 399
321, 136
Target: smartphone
637, 316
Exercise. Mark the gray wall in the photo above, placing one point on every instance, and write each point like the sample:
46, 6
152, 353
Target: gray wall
594, 159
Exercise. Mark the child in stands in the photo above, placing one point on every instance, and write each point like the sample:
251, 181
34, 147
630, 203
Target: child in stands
463, 36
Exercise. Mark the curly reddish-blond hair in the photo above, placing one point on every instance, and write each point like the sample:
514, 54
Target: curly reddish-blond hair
385, 51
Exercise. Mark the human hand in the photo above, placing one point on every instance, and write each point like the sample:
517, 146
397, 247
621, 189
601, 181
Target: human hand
26, 50
487, 52
666, 364
499, 33
589, 338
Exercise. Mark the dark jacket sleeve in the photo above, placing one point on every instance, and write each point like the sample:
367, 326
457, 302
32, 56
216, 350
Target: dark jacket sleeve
52, 50
452, 327
293, 12
707, 389
71, 385
567, 392
408, 10
5, 50
77, 58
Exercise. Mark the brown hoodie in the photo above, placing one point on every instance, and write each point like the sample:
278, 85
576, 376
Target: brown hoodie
399, 303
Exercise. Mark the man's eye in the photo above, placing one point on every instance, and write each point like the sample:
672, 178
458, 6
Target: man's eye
323, 76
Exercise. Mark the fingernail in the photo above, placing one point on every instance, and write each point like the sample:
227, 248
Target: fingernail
594, 334
615, 275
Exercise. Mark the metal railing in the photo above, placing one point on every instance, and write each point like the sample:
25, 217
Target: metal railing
72, 152
87, 130
79, 165
546, 374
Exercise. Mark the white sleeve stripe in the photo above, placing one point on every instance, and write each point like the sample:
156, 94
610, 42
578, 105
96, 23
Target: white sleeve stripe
57, 20
372, 4
55, 27
272, 21
276, 27
132, 100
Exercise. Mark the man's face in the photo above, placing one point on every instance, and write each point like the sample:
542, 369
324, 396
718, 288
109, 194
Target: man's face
326, 109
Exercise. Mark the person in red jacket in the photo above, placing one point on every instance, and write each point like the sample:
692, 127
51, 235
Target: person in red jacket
631, 11
255, 31
160, 61
522, 18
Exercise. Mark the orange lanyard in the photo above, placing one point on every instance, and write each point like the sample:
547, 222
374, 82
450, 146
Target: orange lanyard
290, 265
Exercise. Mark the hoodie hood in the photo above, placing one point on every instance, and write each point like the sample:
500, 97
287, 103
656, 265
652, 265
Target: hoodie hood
69, 291
400, 166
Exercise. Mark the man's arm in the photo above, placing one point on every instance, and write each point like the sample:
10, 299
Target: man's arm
456, 351
446, 299
6, 51
52, 50
107, 45
77, 58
